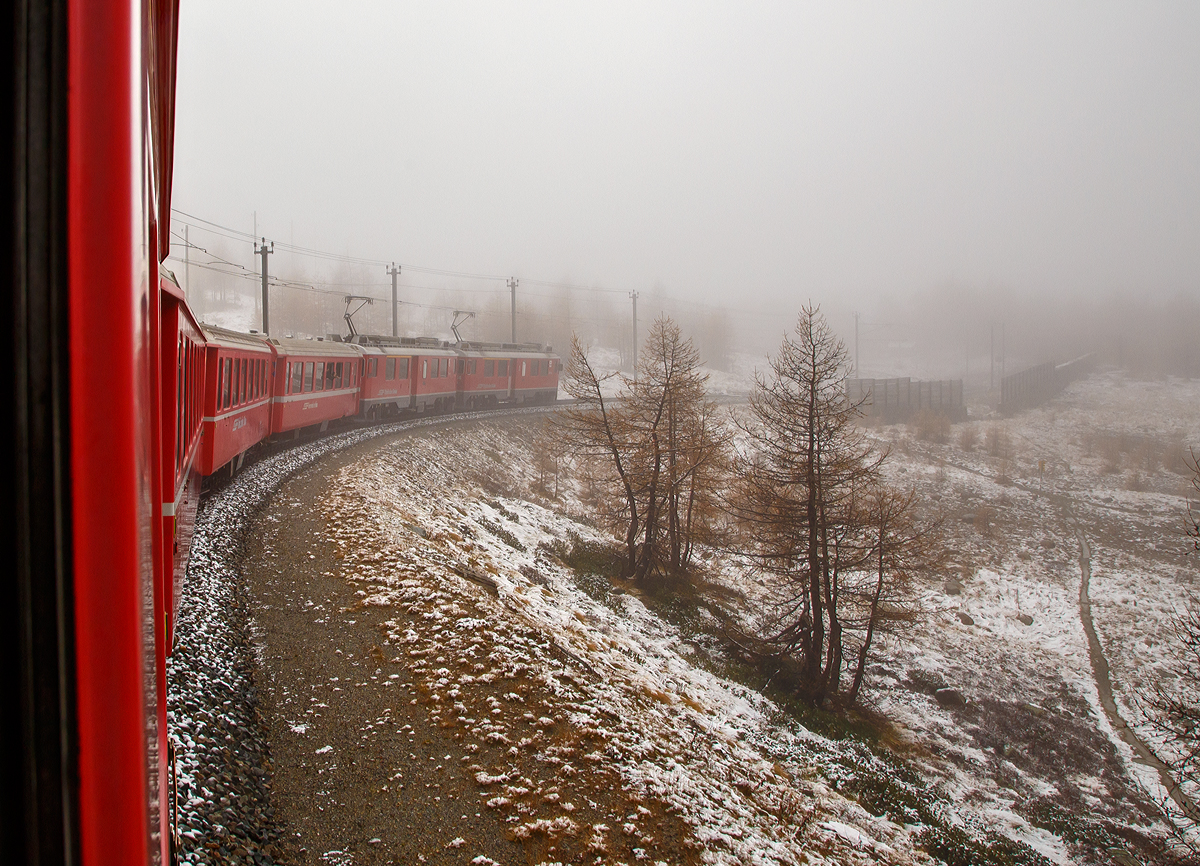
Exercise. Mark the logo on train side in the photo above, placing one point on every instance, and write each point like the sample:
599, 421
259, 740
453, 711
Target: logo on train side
312, 405
239, 423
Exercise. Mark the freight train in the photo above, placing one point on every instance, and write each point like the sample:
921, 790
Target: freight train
117, 402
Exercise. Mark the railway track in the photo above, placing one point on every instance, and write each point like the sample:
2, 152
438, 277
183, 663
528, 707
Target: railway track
221, 749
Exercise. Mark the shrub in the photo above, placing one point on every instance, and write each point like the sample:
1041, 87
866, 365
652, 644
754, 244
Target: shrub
932, 426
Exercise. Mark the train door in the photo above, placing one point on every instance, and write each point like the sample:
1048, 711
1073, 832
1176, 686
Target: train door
460, 370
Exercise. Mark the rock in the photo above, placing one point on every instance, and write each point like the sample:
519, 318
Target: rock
478, 577
965, 618
1025, 618
948, 697
416, 530
1048, 543
952, 587
1024, 555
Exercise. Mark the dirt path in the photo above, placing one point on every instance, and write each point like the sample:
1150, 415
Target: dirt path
1142, 753
1100, 671
373, 761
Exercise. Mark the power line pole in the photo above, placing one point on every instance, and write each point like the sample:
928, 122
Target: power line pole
857, 369
634, 296
394, 270
992, 358
264, 252
512, 285
1003, 354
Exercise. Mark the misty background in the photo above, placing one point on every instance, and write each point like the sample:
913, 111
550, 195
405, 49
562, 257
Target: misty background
962, 189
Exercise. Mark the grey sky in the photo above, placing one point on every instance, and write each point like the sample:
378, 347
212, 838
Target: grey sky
722, 151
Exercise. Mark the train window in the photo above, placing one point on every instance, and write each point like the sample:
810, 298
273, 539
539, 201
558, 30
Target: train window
297, 377
441, 368
372, 367
228, 376
471, 367
503, 371
461, 366
337, 375
523, 367
489, 368
329, 376
319, 376
402, 368
390, 371
425, 368
308, 376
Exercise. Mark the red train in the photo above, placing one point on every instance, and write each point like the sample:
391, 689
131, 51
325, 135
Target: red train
258, 387
119, 401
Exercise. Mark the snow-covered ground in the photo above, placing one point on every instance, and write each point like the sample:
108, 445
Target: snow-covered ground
1103, 461
749, 782
1031, 758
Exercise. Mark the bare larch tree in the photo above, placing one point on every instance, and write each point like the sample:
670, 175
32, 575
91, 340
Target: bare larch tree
654, 445
836, 542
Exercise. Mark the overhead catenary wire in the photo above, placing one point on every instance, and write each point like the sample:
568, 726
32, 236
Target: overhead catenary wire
296, 249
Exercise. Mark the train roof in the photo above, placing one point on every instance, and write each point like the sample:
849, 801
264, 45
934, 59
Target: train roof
226, 337
294, 346
507, 350
432, 345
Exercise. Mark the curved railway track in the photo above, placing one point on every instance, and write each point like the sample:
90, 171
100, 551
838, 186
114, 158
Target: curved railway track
221, 748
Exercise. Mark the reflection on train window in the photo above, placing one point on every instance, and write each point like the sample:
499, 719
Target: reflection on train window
442, 365
372, 368
319, 376
337, 375
228, 380
402, 368
489, 368
522, 368
471, 367
390, 371
297, 377
425, 368
503, 371
308, 376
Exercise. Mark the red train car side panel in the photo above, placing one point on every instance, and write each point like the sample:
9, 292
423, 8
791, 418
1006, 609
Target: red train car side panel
110, 462
386, 380
238, 370
181, 349
315, 382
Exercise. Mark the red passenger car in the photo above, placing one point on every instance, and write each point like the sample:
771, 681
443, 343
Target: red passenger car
386, 386
100, 423
316, 382
237, 400
435, 377
535, 375
182, 347
507, 372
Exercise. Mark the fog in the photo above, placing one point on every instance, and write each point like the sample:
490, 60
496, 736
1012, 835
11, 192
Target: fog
946, 171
